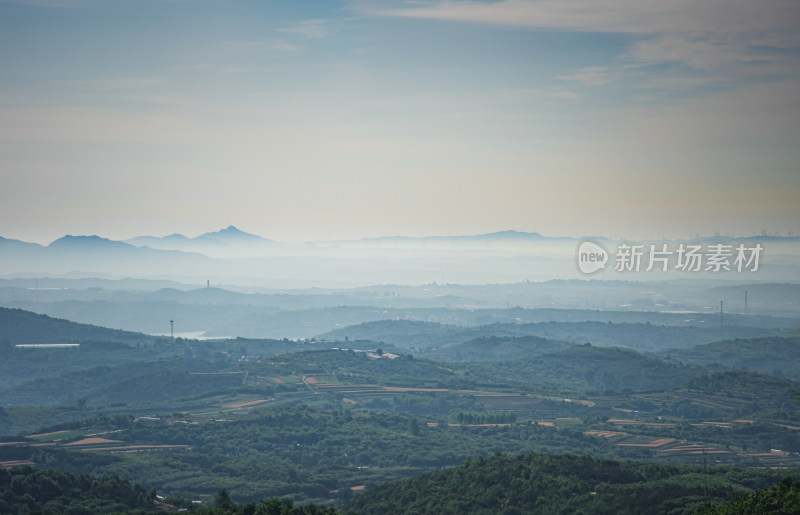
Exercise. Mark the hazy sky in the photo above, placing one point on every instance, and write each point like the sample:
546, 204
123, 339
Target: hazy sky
322, 119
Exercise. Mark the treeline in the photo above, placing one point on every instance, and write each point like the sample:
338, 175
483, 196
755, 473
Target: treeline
25, 490
532, 483
492, 417
783, 498
774, 355
536, 483
223, 505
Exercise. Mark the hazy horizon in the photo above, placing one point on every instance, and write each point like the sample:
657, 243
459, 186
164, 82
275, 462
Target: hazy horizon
480, 236
351, 119
380, 236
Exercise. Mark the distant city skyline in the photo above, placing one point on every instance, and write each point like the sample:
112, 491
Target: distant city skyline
327, 120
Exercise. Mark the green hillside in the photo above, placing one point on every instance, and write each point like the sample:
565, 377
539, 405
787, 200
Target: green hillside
142, 381
424, 336
27, 490
783, 498
586, 367
777, 356
496, 348
535, 483
25, 327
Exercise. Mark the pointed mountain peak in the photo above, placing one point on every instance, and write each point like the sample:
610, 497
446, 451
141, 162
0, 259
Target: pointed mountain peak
231, 230
231, 234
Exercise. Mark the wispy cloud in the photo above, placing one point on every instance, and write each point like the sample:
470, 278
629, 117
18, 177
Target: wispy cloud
566, 95
310, 29
624, 16
282, 46
699, 51
699, 34
593, 76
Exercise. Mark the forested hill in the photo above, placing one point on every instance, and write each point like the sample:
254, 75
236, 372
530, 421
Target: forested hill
760, 389
496, 348
531, 483
537, 483
18, 326
27, 490
586, 367
781, 498
641, 336
402, 333
768, 355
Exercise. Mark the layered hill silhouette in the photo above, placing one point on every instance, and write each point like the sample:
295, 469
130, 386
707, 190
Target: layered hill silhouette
20, 327
498, 257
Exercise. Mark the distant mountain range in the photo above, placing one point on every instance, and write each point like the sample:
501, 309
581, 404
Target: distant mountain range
93, 254
232, 236
228, 236
67, 243
235, 256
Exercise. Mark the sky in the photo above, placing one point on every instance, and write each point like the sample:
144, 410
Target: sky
320, 120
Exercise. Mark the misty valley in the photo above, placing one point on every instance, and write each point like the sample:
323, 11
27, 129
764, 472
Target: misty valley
570, 395
353, 257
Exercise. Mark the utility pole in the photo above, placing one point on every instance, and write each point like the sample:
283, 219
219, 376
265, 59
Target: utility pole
171, 328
